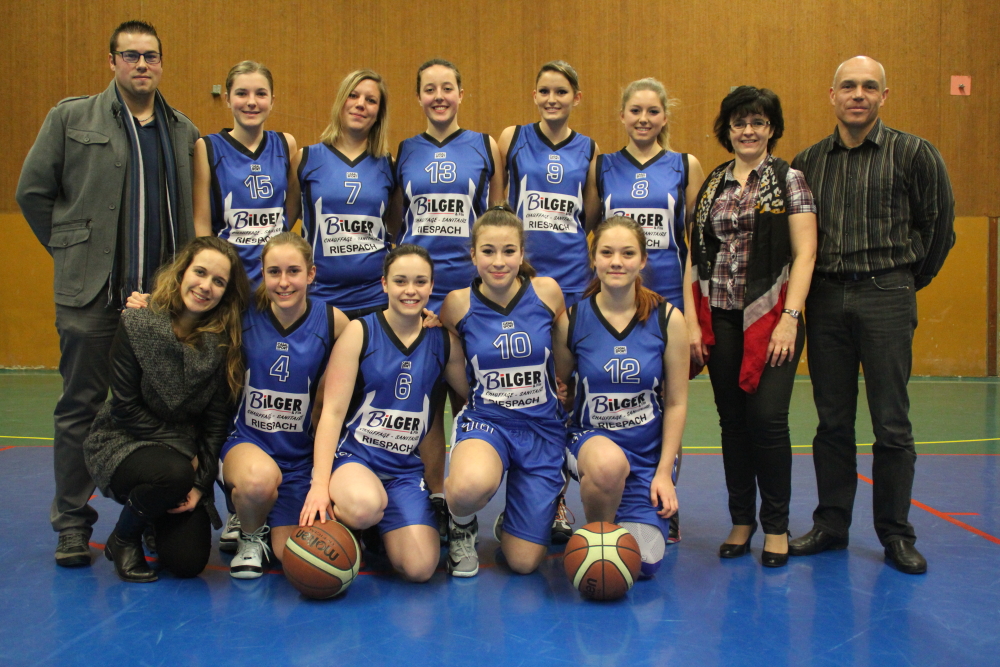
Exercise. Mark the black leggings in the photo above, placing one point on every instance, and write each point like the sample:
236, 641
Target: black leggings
756, 446
158, 479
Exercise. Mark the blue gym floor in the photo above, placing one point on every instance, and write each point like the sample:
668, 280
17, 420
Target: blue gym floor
838, 608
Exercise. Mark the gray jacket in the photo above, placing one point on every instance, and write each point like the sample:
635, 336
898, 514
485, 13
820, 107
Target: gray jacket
72, 187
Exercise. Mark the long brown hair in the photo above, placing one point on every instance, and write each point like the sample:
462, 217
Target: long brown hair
225, 319
261, 300
503, 215
646, 300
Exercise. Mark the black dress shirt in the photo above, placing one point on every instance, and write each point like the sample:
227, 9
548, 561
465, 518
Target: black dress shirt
881, 205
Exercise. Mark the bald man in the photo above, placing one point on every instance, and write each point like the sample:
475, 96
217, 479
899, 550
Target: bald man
885, 215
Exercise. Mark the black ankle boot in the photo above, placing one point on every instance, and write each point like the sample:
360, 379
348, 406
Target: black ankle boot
124, 546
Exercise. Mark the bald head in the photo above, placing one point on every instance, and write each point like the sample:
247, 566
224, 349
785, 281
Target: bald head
864, 64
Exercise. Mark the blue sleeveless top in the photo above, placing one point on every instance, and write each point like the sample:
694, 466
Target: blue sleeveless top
248, 193
282, 369
652, 194
394, 396
545, 189
619, 377
445, 189
343, 204
508, 352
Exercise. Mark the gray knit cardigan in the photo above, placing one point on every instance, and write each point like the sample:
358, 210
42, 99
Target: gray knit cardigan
163, 394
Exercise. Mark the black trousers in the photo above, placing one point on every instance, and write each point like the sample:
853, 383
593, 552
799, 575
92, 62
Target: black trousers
868, 323
158, 479
756, 447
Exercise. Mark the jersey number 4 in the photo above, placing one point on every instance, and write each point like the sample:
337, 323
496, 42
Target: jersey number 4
279, 368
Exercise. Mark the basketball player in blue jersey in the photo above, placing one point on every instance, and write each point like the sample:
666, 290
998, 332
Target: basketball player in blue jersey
267, 461
546, 168
631, 383
347, 185
547, 165
656, 187
385, 376
446, 177
241, 175
513, 423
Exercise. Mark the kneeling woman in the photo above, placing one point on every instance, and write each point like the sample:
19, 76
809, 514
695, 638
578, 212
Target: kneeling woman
381, 391
513, 423
631, 351
267, 460
176, 370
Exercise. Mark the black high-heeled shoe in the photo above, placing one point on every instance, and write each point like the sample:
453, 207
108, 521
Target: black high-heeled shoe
771, 559
727, 550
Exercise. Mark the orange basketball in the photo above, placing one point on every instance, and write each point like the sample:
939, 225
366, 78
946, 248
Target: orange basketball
321, 560
602, 560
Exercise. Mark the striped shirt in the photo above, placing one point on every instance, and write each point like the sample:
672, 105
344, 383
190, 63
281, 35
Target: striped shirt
734, 217
884, 204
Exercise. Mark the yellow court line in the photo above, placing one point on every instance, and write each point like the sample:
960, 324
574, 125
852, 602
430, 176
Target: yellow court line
869, 444
860, 444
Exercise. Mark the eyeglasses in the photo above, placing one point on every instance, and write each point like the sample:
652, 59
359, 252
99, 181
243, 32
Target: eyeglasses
740, 125
132, 57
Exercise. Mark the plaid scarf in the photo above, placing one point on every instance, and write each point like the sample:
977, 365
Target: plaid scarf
134, 258
768, 266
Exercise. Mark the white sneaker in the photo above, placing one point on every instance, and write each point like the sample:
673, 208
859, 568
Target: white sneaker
230, 538
463, 561
562, 529
253, 555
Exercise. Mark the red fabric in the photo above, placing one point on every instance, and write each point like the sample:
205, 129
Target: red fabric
704, 311
756, 338
756, 334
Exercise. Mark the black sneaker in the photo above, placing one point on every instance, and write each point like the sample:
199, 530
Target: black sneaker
73, 550
441, 514
674, 534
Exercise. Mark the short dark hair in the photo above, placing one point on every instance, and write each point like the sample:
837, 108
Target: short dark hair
134, 28
743, 101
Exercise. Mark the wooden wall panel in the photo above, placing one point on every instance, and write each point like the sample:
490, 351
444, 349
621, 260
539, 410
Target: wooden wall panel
56, 48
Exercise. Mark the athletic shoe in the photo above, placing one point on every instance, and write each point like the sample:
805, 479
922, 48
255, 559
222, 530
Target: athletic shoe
498, 526
441, 514
253, 555
463, 561
561, 528
72, 550
674, 534
230, 538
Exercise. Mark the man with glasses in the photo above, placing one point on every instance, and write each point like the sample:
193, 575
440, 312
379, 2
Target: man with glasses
885, 215
106, 188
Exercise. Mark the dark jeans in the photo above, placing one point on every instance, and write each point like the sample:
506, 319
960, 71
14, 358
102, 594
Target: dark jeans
158, 479
756, 447
871, 323
85, 336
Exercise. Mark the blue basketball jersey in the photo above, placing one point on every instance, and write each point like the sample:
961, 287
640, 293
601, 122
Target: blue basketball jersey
445, 189
619, 377
394, 397
248, 193
653, 195
508, 352
546, 183
343, 203
282, 369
